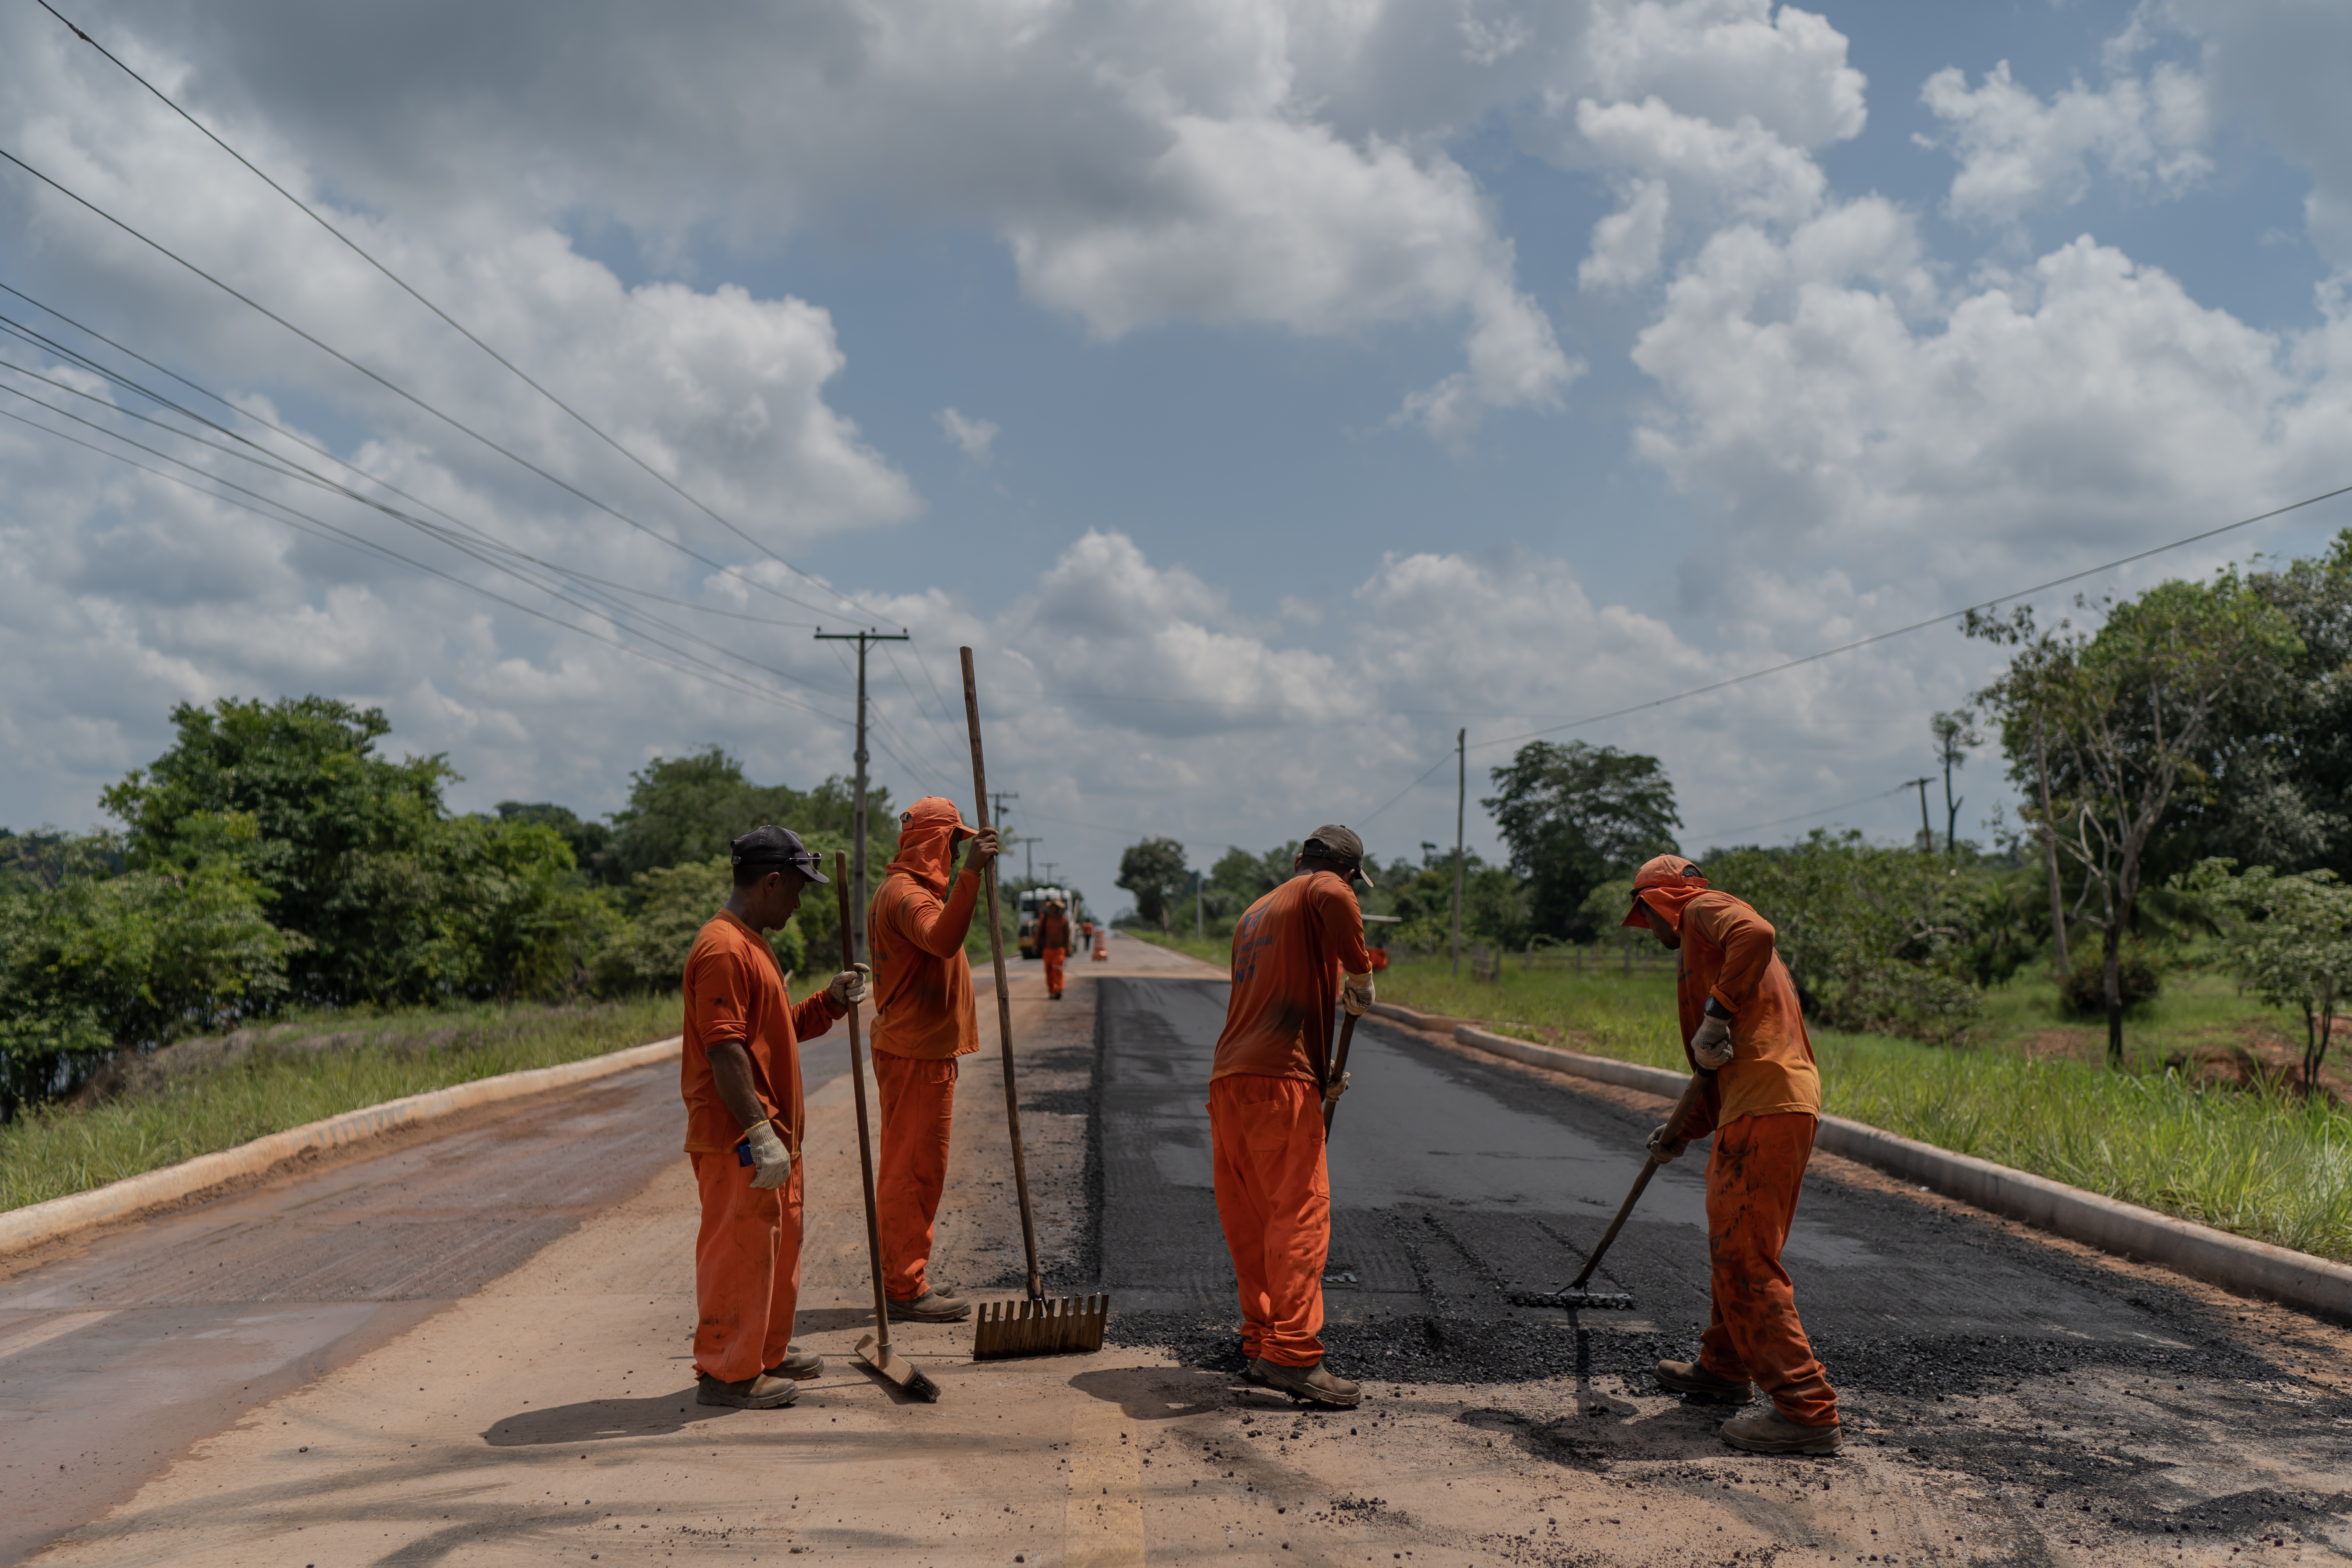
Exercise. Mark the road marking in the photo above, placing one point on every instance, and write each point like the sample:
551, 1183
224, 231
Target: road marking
1104, 1526
56, 1328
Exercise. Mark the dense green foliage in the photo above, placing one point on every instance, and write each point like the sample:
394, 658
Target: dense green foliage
1154, 871
1576, 816
272, 858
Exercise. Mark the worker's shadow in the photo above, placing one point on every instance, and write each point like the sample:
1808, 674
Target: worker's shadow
599, 1420
1168, 1392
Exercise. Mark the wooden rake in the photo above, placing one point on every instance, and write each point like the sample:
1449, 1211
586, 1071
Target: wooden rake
1036, 1326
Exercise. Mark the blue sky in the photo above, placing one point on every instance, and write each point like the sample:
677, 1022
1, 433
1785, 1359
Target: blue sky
1325, 381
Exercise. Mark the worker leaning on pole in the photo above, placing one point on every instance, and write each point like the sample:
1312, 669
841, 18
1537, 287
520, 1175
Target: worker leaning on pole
1297, 952
924, 1018
739, 1071
1740, 1018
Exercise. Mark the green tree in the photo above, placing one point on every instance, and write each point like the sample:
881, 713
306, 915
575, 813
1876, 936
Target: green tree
295, 786
1153, 870
1575, 816
2122, 725
1872, 935
97, 966
684, 809
1956, 737
2292, 944
674, 903
589, 841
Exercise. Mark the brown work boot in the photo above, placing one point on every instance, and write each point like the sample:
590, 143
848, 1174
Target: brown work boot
1693, 1381
800, 1364
1315, 1384
936, 1305
758, 1393
1767, 1431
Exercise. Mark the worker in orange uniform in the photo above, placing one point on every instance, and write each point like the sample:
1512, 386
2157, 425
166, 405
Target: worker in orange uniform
1740, 1020
1296, 951
923, 1020
1053, 943
740, 1070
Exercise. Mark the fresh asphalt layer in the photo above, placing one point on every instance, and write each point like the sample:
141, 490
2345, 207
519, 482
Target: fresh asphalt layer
120, 1349
1456, 1178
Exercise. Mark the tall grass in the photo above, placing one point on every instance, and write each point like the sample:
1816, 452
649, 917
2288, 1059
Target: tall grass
58, 1149
2260, 1162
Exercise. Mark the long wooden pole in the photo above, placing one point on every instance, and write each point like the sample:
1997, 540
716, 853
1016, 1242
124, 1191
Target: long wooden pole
1003, 995
865, 1138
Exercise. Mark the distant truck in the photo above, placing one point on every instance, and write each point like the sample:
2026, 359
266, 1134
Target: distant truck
1033, 903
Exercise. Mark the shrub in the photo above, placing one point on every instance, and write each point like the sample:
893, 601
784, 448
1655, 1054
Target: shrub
2084, 990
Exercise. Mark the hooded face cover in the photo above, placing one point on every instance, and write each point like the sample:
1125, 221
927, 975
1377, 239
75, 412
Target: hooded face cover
1667, 884
928, 831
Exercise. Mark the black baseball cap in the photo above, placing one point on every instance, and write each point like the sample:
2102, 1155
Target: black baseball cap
771, 845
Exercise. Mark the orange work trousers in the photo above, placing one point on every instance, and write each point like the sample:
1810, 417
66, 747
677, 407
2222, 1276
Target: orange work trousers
918, 1107
1752, 1180
1274, 1199
747, 1269
1054, 957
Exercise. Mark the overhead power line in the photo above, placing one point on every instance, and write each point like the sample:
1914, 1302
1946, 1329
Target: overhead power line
1717, 834
1876, 637
396, 388
454, 325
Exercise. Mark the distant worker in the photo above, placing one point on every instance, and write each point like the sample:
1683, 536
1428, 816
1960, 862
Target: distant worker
1054, 942
740, 1070
1740, 1020
924, 1019
1297, 952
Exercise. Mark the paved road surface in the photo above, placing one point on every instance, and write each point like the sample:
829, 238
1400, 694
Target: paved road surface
117, 1353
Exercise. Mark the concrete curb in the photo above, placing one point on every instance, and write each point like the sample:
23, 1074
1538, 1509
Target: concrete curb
2126, 1230
37, 1223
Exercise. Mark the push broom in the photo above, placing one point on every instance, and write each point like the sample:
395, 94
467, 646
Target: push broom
1576, 1294
873, 1350
1035, 1326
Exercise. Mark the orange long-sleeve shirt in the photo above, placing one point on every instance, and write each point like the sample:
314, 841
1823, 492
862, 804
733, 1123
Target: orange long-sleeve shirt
734, 991
923, 1004
1727, 954
1288, 951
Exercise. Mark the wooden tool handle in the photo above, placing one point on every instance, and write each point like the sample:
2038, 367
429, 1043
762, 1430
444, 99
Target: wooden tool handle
1691, 1091
1338, 1068
865, 1138
1003, 995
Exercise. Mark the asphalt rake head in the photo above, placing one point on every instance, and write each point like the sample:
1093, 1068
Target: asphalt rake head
1055, 1326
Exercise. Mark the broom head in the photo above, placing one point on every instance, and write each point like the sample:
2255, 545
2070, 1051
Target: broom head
1055, 1326
889, 1363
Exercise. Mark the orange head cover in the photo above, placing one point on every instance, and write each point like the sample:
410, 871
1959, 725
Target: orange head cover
928, 831
1666, 883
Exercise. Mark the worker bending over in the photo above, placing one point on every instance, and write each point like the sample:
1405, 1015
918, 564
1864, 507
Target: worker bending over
1298, 950
740, 1070
923, 1020
1054, 942
1739, 1017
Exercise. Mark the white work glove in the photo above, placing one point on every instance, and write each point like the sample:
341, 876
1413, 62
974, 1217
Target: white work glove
847, 987
1711, 1044
1665, 1150
1356, 993
772, 1162
1334, 1090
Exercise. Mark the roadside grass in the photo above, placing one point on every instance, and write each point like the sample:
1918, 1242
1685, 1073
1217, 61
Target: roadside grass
1216, 949
2034, 1095
297, 1071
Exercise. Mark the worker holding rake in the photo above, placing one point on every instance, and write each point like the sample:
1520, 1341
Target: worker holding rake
924, 1018
739, 1071
1297, 952
1740, 1021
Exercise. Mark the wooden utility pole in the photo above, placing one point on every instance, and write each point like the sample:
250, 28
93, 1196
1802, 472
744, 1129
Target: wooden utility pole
1461, 790
1926, 834
857, 813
